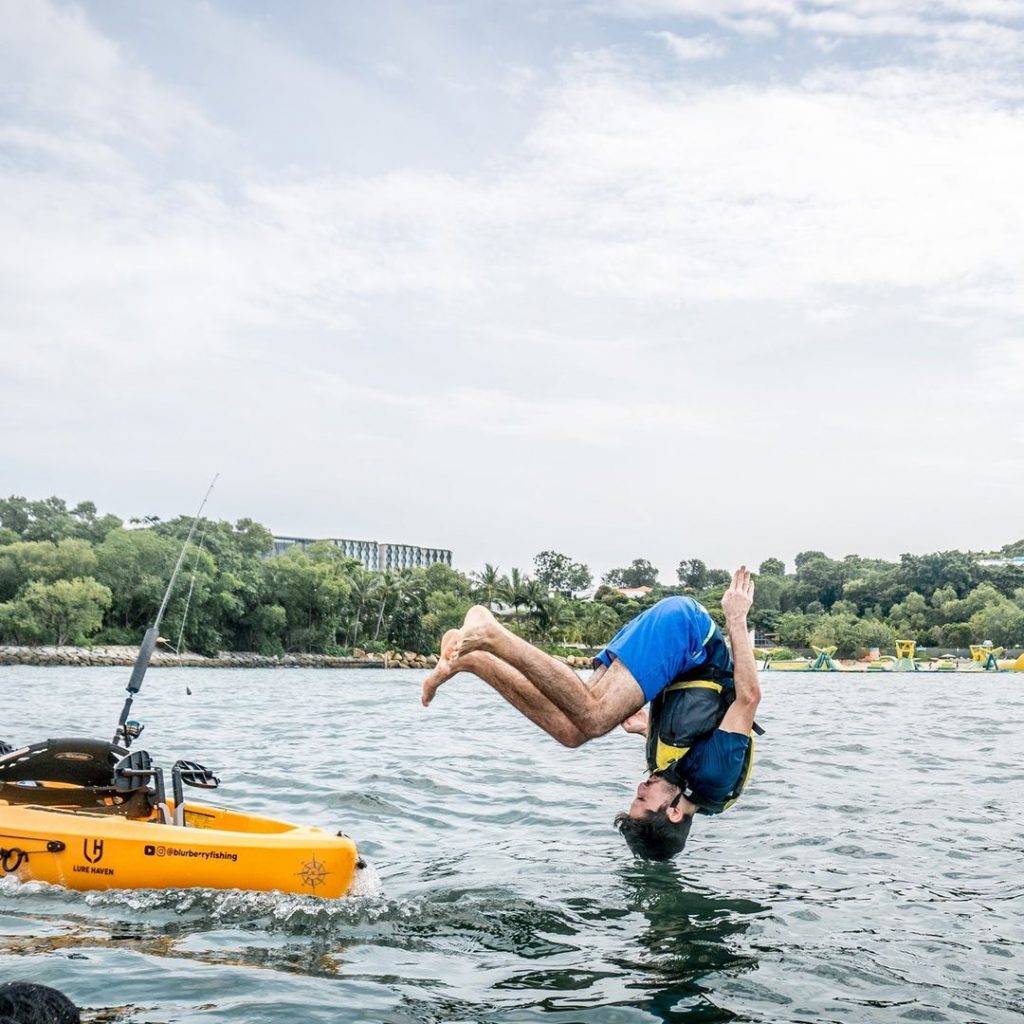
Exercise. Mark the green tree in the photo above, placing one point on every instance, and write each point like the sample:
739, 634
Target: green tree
513, 590
555, 617
820, 578
56, 613
560, 573
768, 593
404, 626
51, 519
874, 633
692, 572
445, 611
807, 556
362, 587
925, 573
598, 623
956, 634
874, 588
443, 577
1001, 622
487, 584
639, 573
911, 618
536, 597
267, 627
136, 565
794, 628
851, 636
313, 589
772, 567
1005, 578
385, 592
43, 560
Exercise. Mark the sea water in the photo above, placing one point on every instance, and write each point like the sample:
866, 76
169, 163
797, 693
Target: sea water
872, 872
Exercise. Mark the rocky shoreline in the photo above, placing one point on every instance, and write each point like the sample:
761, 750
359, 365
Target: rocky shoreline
126, 655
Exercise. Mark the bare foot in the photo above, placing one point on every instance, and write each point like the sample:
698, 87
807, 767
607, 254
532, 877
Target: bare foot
444, 669
448, 643
479, 631
637, 722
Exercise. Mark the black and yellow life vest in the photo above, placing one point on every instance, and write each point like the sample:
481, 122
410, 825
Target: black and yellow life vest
687, 710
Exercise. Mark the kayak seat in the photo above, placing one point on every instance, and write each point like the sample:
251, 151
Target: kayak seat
95, 799
70, 761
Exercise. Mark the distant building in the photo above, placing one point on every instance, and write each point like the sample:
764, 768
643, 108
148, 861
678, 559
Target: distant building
633, 592
378, 556
1017, 560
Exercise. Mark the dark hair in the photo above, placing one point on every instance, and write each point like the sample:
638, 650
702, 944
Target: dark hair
25, 1003
654, 836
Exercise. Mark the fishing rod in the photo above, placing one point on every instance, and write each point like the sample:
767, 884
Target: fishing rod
127, 731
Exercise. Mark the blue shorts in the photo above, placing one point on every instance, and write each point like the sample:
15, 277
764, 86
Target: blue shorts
713, 765
661, 643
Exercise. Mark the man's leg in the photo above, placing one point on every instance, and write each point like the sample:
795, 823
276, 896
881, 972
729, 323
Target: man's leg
522, 695
594, 712
512, 685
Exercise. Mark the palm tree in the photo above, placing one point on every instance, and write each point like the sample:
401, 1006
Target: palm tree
535, 595
487, 584
512, 590
360, 591
387, 587
556, 620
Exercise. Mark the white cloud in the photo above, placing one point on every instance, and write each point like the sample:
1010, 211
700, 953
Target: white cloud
687, 48
643, 290
87, 86
954, 29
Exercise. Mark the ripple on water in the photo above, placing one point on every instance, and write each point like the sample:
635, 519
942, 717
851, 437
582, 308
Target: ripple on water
871, 874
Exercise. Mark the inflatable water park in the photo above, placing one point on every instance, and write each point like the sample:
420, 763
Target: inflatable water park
983, 658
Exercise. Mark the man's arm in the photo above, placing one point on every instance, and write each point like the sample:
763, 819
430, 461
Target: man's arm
736, 603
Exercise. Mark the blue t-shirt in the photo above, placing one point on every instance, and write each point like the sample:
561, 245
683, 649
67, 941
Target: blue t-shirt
661, 643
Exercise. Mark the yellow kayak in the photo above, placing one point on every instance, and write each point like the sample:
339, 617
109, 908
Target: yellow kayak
216, 849
89, 814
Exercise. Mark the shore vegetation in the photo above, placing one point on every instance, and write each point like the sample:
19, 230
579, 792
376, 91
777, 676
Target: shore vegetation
69, 575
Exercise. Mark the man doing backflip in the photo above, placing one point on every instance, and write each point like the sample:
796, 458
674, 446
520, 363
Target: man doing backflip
702, 702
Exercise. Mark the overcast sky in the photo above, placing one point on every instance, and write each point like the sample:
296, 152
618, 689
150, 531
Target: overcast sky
659, 278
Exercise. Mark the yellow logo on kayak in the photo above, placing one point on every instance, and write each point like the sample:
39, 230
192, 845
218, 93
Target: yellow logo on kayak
313, 873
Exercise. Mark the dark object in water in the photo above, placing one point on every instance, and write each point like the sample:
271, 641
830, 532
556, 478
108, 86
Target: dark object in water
24, 1003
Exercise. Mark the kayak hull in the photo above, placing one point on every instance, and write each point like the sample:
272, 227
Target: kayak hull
218, 849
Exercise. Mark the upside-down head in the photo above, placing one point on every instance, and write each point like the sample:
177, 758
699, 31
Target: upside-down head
655, 826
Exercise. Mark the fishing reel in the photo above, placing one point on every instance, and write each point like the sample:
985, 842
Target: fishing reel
128, 731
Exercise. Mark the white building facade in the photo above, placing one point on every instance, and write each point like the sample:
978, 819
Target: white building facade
377, 556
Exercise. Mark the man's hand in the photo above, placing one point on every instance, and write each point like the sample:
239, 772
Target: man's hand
637, 722
736, 601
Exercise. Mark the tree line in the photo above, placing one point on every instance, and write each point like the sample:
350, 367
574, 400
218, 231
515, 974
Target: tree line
71, 575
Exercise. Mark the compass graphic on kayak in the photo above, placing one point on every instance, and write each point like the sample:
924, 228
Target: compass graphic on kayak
313, 873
